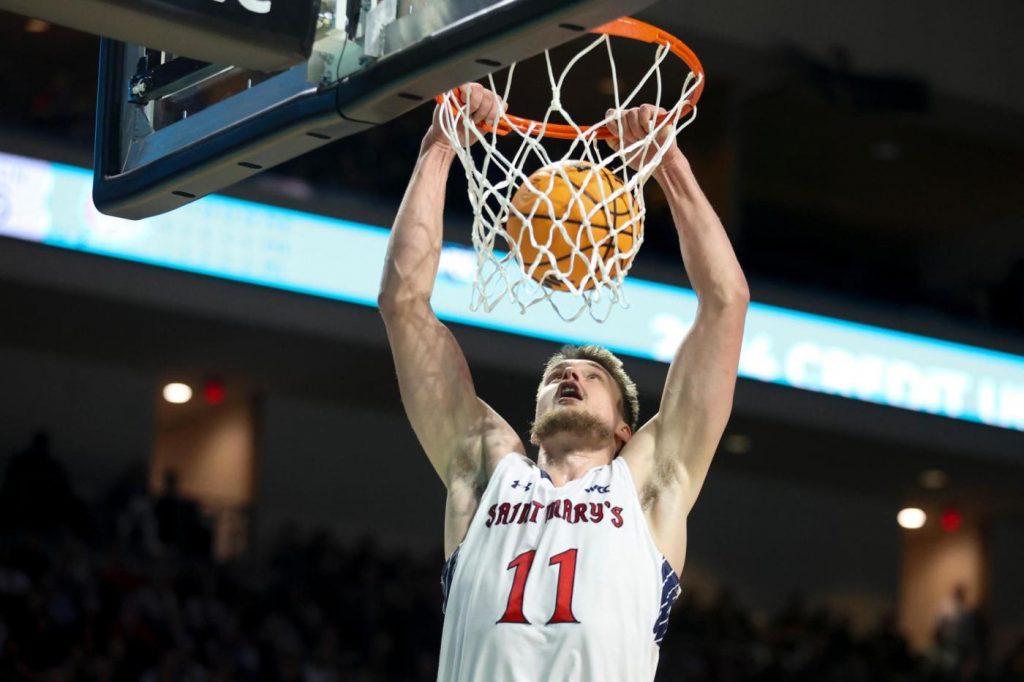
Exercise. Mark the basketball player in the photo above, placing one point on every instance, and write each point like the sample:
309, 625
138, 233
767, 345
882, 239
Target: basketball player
563, 570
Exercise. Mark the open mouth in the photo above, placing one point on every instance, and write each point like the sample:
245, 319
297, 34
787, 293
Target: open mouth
568, 391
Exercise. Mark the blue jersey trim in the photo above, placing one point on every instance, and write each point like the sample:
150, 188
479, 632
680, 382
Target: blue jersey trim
670, 591
446, 577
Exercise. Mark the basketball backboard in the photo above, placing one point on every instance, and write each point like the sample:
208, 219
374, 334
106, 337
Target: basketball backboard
171, 129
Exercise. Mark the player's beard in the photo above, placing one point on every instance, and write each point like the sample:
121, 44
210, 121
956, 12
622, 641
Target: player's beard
575, 422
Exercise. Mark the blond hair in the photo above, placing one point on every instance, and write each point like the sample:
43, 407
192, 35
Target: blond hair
629, 405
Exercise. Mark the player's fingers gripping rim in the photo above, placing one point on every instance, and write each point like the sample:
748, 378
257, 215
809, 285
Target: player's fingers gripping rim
656, 120
484, 105
496, 108
624, 128
636, 130
473, 98
613, 141
634, 125
649, 115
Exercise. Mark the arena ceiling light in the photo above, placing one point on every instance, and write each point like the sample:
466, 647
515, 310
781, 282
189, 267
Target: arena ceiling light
177, 393
911, 518
934, 479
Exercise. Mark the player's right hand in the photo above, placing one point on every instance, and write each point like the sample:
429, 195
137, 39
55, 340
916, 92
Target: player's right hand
484, 107
635, 124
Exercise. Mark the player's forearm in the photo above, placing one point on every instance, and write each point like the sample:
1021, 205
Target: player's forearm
414, 248
708, 255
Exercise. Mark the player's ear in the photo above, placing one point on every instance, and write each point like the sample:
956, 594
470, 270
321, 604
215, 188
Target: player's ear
623, 433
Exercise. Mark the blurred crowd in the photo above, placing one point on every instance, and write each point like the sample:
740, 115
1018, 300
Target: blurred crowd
124, 590
316, 612
720, 642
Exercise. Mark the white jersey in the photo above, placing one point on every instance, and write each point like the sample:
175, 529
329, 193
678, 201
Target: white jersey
555, 584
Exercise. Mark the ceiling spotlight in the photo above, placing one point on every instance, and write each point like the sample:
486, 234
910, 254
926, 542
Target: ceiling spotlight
37, 26
911, 518
933, 479
738, 444
177, 393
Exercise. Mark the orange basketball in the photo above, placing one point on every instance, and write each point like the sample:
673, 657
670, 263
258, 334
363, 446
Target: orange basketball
582, 222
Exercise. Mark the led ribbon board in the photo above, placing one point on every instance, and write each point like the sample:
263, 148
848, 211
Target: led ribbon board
248, 242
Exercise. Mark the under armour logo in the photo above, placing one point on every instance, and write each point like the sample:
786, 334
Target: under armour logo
598, 489
524, 486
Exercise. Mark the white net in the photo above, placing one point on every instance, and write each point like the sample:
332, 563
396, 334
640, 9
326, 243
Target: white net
562, 228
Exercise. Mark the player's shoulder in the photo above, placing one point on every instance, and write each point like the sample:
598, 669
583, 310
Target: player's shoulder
639, 454
516, 460
509, 463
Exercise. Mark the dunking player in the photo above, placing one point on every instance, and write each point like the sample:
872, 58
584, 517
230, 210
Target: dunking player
563, 570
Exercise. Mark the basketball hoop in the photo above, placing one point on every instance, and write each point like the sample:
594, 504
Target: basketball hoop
580, 258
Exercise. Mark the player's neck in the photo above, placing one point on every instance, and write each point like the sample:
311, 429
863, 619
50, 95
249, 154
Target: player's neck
567, 463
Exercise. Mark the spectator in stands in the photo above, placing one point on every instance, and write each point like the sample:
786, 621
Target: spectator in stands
179, 520
1012, 669
958, 649
36, 495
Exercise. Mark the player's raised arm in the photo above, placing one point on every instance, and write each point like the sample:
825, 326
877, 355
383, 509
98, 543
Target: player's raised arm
698, 394
452, 424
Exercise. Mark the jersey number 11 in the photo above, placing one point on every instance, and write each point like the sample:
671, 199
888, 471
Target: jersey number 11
566, 562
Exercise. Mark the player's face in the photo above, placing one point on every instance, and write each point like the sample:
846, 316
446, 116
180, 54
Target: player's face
581, 385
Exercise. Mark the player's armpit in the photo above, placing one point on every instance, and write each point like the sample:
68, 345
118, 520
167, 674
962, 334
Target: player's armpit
675, 449
699, 389
663, 488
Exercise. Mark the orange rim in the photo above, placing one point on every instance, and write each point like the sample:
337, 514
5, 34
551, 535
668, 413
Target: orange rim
624, 27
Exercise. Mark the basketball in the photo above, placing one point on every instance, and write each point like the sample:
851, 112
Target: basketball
576, 218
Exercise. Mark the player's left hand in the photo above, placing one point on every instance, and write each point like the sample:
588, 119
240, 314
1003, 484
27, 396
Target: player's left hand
637, 123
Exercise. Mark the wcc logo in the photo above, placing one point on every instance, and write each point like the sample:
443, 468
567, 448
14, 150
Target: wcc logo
598, 489
254, 6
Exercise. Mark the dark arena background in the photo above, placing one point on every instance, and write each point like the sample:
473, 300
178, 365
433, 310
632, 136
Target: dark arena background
207, 474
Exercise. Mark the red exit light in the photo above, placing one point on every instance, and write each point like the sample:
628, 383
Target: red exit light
951, 520
214, 392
